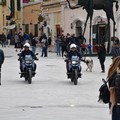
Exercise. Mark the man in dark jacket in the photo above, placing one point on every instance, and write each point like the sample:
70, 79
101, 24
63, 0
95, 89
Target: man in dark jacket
3, 38
1, 61
73, 52
26, 52
116, 48
102, 56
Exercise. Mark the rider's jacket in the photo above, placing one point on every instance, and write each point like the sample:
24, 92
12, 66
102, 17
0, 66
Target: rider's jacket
73, 53
28, 52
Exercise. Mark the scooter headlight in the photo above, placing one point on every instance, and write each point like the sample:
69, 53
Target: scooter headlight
74, 62
28, 61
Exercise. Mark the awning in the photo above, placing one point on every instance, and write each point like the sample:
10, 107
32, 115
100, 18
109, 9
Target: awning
8, 27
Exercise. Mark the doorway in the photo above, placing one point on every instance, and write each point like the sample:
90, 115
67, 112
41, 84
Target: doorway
101, 34
78, 28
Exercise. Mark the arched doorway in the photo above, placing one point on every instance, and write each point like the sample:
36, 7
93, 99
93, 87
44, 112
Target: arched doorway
78, 28
101, 33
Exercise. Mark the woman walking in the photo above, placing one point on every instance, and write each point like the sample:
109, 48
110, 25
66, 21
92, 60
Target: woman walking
114, 87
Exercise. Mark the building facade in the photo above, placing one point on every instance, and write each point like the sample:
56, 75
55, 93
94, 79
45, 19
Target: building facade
54, 17
31, 23
10, 14
60, 19
74, 20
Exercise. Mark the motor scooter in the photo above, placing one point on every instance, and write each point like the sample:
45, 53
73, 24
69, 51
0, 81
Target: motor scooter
75, 68
29, 67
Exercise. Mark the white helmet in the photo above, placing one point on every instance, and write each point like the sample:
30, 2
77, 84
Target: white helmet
27, 45
73, 46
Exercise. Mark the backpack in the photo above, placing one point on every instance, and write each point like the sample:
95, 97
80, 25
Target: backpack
104, 93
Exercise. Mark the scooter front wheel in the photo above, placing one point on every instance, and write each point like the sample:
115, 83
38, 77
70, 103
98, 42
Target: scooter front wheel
30, 76
75, 77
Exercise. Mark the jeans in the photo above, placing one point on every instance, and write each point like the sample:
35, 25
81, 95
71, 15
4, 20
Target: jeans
116, 112
33, 49
58, 50
3, 44
102, 64
44, 51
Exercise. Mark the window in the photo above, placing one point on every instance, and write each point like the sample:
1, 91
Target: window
36, 30
27, 28
18, 5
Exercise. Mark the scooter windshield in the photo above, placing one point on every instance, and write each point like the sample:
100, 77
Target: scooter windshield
28, 58
76, 58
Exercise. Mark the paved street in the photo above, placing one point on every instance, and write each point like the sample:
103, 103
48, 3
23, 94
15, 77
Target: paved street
51, 96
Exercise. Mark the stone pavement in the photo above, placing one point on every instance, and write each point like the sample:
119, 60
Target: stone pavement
51, 96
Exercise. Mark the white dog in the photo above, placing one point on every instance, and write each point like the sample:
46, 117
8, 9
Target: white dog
89, 63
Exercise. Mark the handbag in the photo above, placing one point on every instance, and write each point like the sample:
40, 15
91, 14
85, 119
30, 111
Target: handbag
104, 93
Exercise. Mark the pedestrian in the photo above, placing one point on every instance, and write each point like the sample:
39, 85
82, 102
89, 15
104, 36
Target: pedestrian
82, 39
102, 56
9, 38
116, 48
27, 37
44, 45
114, 87
83, 48
49, 43
3, 38
33, 44
1, 61
89, 48
21, 40
16, 37
63, 45
58, 45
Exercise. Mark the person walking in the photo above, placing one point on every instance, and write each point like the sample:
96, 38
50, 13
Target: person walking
49, 43
58, 46
63, 44
44, 45
114, 88
102, 56
33, 44
21, 40
3, 38
9, 38
16, 37
89, 48
27, 38
1, 61
116, 48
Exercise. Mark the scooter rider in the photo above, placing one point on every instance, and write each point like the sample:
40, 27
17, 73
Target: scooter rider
73, 52
22, 55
